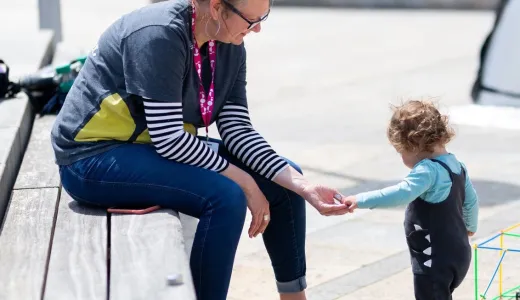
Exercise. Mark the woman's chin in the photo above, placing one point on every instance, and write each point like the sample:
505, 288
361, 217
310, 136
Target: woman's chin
238, 43
238, 39
235, 40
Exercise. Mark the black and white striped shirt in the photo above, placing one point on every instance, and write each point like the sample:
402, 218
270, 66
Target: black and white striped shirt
166, 128
165, 125
242, 140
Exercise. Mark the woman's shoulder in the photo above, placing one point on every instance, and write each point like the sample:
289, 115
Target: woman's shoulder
233, 55
162, 17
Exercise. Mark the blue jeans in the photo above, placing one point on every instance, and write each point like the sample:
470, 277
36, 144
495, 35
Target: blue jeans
134, 175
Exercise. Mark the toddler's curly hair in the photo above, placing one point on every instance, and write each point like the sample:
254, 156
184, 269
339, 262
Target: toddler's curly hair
417, 126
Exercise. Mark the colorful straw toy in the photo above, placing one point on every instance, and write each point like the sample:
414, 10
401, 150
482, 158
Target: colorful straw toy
509, 294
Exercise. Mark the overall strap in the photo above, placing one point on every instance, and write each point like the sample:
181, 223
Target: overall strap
445, 166
462, 173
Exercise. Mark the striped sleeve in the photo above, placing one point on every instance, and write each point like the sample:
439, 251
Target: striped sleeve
242, 140
166, 128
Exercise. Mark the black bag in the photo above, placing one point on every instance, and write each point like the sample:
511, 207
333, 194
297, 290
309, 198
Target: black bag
7, 88
46, 89
43, 90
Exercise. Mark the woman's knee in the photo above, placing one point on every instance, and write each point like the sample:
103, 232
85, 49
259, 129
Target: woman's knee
231, 201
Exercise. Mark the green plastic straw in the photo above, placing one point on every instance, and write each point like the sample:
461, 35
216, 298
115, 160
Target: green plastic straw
476, 273
512, 234
507, 292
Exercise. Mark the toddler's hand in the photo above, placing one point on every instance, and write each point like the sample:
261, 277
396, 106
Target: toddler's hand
351, 202
471, 233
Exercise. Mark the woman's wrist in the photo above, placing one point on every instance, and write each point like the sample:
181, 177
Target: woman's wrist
302, 186
292, 180
239, 176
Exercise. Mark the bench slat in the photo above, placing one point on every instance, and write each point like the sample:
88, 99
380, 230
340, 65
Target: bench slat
144, 251
24, 243
78, 263
38, 168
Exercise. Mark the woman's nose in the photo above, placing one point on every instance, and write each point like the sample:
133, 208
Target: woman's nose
257, 28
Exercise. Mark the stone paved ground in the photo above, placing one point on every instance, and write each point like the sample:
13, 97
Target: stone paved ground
320, 84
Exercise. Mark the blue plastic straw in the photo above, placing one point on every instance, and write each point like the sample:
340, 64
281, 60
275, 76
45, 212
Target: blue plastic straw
489, 240
495, 248
494, 274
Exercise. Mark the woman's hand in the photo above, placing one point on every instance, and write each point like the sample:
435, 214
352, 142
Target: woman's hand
322, 198
319, 196
259, 207
256, 201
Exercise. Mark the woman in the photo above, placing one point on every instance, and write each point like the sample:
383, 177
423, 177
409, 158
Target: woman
127, 136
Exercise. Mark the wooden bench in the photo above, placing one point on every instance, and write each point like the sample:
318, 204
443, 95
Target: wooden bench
52, 248
24, 52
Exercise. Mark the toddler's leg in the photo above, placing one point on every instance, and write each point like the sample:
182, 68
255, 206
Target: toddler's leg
426, 288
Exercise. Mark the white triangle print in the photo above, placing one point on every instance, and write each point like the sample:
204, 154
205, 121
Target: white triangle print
428, 251
428, 263
417, 227
428, 238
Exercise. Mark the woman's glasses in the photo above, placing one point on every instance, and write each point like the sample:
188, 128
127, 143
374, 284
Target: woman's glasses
252, 24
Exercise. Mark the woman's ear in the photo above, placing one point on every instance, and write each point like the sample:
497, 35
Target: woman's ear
214, 8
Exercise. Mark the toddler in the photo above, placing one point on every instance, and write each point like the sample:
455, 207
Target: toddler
442, 206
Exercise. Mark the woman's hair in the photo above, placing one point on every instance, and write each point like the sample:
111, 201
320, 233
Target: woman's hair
226, 8
417, 126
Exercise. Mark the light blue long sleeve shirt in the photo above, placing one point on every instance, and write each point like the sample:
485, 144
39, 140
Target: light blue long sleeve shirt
430, 181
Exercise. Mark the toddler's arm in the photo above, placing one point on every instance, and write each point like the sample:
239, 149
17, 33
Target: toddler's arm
415, 184
470, 207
